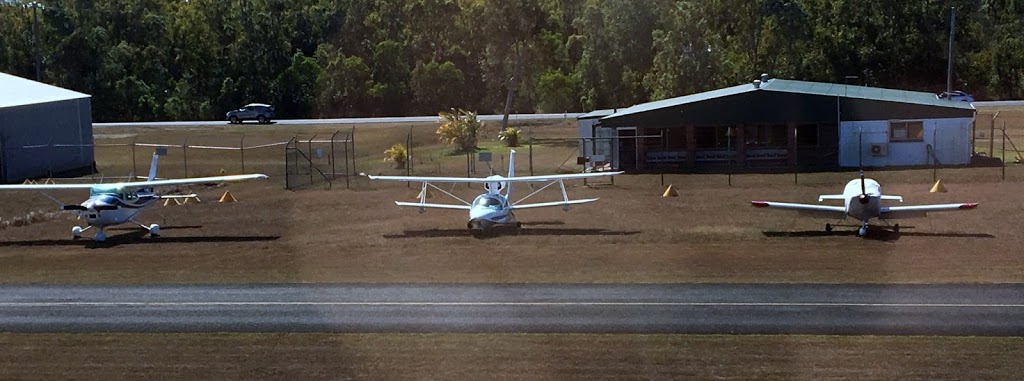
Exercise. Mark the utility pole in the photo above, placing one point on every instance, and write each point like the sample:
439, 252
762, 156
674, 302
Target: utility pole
949, 67
35, 37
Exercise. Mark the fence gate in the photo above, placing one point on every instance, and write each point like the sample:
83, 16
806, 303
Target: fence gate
319, 162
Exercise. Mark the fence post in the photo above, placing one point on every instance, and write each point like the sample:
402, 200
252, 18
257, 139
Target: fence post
184, 149
347, 172
334, 172
1004, 150
134, 138
309, 157
531, 150
352, 141
287, 185
241, 147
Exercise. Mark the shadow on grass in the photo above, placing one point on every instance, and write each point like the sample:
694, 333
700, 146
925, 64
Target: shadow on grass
499, 232
876, 234
135, 237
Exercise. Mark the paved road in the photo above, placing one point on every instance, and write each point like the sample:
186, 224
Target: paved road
386, 120
672, 308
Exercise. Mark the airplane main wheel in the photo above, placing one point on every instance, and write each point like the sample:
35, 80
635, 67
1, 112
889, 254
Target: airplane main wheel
828, 228
100, 236
896, 228
863, 231
154, 230
76, 232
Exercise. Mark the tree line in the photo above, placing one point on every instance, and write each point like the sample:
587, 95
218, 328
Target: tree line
196, 59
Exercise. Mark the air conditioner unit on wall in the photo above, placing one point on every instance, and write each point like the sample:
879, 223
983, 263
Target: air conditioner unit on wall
879, 149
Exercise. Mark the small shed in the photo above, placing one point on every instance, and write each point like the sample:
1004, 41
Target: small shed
785, 124
44, 130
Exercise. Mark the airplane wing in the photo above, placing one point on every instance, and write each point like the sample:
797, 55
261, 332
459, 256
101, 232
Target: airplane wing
438, 206
921, 211
136, 184
553, 203
825, 211
481, 180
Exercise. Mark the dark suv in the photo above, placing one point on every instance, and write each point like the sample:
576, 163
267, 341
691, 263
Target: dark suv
260, 112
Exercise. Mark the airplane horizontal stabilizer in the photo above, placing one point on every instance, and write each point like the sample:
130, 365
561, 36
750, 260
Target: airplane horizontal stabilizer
824, 211
437, 206
831, 197
921, 211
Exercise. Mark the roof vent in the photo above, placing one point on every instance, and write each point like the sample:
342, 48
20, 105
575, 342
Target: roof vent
757, 83
764, 77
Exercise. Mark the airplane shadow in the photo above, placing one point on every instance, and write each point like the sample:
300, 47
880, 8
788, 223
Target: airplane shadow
543, 223
499, 232
137, 229
135, 237
876, 234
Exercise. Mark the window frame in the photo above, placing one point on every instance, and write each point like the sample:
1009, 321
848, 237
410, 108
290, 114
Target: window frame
906, 125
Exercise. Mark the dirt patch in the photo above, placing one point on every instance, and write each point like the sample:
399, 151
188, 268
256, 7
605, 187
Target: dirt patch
555, 357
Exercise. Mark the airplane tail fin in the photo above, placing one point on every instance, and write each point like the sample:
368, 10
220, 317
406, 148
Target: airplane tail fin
511, 171
152, 168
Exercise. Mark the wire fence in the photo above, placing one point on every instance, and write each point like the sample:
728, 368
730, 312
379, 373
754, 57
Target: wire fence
315, 162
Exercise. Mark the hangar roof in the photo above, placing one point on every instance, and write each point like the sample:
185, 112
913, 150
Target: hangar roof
801, 87
17, 91
596, 114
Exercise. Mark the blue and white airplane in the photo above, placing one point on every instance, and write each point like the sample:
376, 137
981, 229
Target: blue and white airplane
494, 208
118, 203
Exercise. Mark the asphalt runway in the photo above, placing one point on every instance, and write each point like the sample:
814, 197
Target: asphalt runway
957, 309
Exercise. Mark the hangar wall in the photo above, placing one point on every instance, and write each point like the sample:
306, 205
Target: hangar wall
42, 139
949, 138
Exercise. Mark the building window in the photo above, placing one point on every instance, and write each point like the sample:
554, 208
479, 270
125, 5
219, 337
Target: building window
765, 136
906, 131
807, 135
715, 138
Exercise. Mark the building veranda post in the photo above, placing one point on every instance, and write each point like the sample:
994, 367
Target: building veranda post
44, 130
780, 125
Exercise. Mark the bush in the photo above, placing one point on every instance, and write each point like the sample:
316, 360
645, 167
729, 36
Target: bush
510, 136
397, 154
459, 128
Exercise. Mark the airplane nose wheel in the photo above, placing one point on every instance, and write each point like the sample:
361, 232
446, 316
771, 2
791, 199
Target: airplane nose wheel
828, 228
863, 231
100, 236
154, 230
896, 228
76, 232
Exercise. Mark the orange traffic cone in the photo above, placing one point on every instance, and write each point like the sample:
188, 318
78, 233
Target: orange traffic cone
227, 197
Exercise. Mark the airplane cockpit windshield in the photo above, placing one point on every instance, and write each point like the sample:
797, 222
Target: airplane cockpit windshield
488, 201
113, 192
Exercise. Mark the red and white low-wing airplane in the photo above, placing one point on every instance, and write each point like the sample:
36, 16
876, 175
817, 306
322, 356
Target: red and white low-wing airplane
118, 203
862, 199
495, 207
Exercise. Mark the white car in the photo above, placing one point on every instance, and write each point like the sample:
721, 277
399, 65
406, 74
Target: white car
956, 95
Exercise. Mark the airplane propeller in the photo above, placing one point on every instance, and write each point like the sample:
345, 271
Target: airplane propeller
860, 157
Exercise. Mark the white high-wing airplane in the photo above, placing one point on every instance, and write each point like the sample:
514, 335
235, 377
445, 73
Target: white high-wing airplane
862, 199
494, 208
118, 203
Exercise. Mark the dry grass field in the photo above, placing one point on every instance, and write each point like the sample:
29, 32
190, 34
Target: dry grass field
708, 234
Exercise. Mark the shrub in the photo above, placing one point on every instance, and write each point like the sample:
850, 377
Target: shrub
397, 154
510, 136
459, 129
